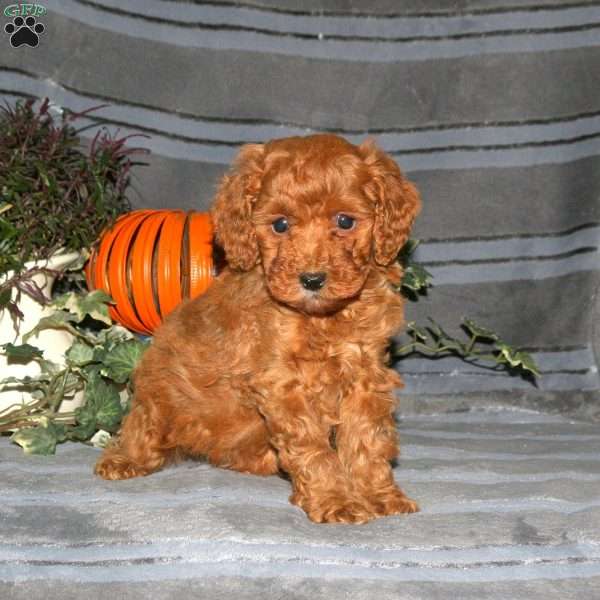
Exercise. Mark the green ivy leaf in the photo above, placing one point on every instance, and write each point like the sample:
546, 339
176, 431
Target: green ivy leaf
120, 362
416, 278
21, 353
41, 439
528, 363
94, 304
409, 247
99, 354
35, 440
104, 402
115, 334
110, 415
80, 354
517, 358
86, 424
508, 354
57, 320
109, 411
478, 331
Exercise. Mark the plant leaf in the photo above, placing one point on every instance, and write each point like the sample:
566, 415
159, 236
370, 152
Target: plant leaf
113, 334
517, 358
5, 296
58, 320
21, 353
101, 439
478, 331
94, 304
407, 250
86, 424
508, 354
109, 412
120, 362
103, 402
528, 363
416, 278
41, 439
80, 354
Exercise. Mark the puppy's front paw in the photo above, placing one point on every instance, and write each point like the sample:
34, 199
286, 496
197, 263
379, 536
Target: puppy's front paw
334, 509
392, 502
118, 467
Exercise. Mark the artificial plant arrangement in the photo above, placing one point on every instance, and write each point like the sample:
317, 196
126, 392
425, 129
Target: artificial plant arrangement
55, 199
53, 196
98, 364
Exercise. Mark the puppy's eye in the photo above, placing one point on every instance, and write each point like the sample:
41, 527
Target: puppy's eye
280, 225
345, 221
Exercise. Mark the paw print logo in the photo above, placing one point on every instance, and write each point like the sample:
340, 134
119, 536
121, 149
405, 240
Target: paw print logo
24, 31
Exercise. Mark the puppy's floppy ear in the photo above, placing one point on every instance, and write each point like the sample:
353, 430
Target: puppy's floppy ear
232, 210
396, 200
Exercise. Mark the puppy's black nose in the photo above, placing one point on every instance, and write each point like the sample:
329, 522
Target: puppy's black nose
313, 281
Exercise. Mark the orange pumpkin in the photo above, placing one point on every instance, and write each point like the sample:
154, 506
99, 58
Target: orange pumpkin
149, 261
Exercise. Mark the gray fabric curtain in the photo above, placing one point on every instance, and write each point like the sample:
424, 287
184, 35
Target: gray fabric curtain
491, 107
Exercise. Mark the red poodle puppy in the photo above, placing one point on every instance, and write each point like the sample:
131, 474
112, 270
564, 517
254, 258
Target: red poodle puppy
280, 365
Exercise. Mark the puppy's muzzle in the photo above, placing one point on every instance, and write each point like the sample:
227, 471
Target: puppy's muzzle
313, 281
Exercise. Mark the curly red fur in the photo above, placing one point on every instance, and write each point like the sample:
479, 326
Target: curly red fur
261, 374
232, 209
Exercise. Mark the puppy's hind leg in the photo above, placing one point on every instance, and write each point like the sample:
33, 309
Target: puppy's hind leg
229, 433
138, 450
244, 445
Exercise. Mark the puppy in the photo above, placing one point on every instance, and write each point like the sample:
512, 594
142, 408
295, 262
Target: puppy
280, 365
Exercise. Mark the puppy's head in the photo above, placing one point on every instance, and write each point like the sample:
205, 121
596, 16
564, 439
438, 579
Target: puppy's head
316, 214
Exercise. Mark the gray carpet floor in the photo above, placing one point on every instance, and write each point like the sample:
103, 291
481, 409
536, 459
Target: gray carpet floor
510, 505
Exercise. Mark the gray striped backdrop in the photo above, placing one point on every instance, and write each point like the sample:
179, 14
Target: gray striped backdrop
509, 501
491, 107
